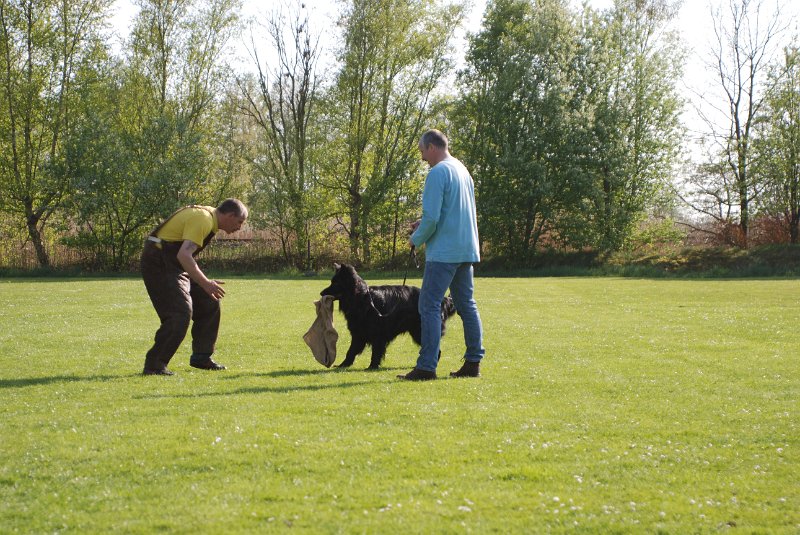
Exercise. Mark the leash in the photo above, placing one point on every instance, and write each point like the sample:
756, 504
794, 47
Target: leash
413, 259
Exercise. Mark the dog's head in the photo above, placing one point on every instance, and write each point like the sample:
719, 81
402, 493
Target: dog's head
345, 282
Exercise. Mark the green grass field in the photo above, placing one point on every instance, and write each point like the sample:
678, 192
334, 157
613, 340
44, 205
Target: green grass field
607, 405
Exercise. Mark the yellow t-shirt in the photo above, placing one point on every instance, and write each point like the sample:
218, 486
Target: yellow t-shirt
193, 223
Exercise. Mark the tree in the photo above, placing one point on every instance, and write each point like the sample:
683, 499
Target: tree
151, 138
778, 145
113, 197
283, 104
628, 69
744, 43
393, 56
41, 43
516, 110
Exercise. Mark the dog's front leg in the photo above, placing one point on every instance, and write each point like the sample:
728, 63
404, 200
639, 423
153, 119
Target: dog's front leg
378, 352
357, 345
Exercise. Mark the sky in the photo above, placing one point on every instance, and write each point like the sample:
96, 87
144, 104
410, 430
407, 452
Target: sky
694, 23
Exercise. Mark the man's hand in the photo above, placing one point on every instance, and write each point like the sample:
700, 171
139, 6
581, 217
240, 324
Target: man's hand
214, 289
211, 287
413, 227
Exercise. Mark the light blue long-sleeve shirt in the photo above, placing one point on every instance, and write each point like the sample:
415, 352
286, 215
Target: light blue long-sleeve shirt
449, 224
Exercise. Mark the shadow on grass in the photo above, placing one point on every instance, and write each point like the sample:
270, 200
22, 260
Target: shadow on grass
257, 390
306, 372
283, 373
22, 382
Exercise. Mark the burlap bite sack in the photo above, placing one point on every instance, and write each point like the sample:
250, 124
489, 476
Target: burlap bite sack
321, 336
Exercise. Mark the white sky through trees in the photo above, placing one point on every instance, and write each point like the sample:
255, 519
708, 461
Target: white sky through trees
694, 23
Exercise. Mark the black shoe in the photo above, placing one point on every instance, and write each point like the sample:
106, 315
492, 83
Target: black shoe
157, 371
469, 369
207, 365
418, 375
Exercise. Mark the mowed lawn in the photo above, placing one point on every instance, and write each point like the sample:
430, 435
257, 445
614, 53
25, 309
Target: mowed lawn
606, 405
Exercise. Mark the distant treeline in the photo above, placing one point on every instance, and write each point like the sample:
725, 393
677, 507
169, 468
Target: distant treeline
569, 119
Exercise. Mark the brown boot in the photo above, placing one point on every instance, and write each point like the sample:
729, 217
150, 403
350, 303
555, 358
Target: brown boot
469, 369
418, 375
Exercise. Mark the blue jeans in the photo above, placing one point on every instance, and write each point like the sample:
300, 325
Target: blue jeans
437, 278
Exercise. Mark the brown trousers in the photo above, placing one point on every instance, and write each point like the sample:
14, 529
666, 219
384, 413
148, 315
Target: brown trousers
177, 300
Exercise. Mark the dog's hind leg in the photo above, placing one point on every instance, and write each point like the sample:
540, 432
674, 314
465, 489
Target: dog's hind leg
378, 352
416, 334
357, 345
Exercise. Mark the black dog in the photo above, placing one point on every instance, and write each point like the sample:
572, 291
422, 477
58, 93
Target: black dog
377, 315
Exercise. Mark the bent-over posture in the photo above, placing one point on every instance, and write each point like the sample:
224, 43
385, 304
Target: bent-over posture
178, 288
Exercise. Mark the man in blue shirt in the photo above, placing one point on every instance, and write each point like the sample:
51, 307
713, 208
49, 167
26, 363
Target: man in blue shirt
449, 230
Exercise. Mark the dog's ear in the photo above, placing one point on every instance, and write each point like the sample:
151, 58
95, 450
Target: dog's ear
336, 266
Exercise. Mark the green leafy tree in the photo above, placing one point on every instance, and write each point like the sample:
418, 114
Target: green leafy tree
114, 195
394, 54
41, 44
628, 148
514, 121
151, 138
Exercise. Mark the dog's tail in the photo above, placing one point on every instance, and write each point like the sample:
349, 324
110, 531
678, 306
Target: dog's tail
448, 308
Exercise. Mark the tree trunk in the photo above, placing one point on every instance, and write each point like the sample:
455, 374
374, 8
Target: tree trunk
355, 225
744, 216
794, 225
607, 211
36, 239
794, 211
367, 252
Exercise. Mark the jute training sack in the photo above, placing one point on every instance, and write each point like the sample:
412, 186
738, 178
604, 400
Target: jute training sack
321, 336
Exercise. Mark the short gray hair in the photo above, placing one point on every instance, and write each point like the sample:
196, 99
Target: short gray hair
436, 138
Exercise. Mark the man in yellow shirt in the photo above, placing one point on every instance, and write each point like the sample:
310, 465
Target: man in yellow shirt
178, 288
